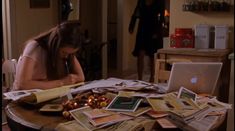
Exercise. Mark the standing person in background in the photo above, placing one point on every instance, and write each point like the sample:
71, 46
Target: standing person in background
150, 32
49, 60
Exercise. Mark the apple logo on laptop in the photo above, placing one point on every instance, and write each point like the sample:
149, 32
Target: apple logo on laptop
193, 80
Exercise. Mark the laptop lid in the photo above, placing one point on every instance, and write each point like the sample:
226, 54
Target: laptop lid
200, 77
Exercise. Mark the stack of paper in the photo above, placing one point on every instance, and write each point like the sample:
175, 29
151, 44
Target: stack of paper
138, 112
94, 119
48, 94
170, 102
156, 114
115, 85
15, 95
187, 116
108, 120
201, 119
97, 113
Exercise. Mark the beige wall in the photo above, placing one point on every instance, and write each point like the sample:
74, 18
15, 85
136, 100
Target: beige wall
181, 19
29, 22
89, 17
125, 40
131, 42
74, 15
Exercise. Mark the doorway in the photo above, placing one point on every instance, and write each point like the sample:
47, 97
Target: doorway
119, 46
112, 37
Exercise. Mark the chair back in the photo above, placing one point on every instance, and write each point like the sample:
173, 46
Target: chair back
8, 74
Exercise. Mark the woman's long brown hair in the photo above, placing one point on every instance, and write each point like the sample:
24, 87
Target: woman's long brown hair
66, 34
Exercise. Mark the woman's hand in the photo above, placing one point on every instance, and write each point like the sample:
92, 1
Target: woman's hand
70, 79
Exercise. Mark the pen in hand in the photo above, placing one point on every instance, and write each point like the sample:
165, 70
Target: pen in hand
67, 67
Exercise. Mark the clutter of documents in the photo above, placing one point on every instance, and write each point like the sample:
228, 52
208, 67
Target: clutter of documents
118, 104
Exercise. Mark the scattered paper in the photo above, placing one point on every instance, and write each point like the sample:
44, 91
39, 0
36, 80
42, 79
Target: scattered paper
96, 113
138, 112
157, 114
166, 123
111, 119
15, 95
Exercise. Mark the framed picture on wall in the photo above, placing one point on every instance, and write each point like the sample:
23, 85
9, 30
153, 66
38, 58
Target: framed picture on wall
39, 3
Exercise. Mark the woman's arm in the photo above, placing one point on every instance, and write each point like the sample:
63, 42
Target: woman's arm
77, 70
24, 77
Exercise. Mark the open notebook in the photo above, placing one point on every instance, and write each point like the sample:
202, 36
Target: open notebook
199, 77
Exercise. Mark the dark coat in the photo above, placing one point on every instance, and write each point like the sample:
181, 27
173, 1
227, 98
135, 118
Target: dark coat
150, 30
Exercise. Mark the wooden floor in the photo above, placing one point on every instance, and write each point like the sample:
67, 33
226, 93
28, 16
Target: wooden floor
4, 122
5, 128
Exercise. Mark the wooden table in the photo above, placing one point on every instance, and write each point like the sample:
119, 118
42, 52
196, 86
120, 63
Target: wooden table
204, 55
230, 119
24, 118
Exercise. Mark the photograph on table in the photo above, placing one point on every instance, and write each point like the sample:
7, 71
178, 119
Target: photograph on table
120, 103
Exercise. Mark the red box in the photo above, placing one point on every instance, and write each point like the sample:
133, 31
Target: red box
183, 31
183, 38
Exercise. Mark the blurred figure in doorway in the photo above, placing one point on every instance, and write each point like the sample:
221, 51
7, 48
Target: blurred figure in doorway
149, 36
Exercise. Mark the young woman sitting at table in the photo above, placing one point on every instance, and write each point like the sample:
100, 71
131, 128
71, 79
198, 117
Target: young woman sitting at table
49, 60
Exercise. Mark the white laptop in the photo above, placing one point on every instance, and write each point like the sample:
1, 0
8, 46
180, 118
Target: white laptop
199, 77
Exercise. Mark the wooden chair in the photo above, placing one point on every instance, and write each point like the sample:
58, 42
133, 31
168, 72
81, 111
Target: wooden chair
163, 69
8, 73
8, 77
